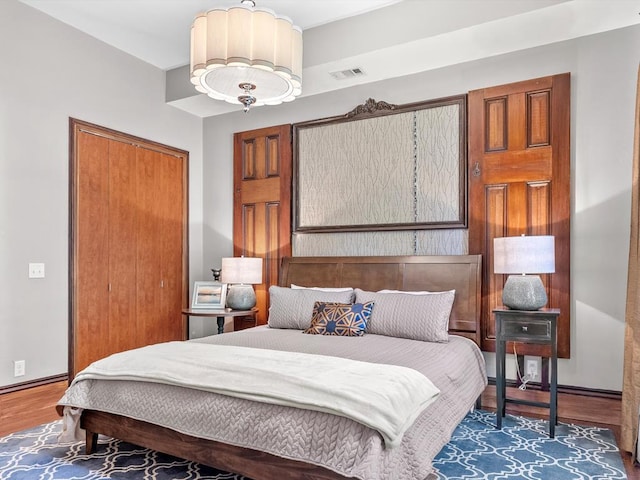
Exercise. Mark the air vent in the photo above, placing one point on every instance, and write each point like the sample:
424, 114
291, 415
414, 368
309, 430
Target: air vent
349, 73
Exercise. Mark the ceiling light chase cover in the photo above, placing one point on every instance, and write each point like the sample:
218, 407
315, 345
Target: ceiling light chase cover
246, 55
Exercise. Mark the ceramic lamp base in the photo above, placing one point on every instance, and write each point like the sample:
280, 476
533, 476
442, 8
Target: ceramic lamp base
524, 292
241, 297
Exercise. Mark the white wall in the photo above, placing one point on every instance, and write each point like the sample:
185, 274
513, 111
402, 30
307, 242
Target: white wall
51, 72
604, 71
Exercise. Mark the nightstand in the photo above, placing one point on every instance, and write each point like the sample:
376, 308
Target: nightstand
220, 316
538, 326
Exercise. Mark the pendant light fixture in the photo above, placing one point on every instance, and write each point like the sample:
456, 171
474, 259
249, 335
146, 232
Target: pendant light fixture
246, 55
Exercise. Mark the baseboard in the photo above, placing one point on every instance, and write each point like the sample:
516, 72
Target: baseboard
34, 383
568, 389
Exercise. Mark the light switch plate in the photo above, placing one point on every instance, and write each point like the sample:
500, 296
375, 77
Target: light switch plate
36, 270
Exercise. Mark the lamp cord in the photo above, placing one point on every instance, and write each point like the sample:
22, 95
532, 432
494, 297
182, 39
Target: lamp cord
523, 380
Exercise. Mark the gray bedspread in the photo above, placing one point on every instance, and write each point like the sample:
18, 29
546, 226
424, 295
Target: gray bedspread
349, 448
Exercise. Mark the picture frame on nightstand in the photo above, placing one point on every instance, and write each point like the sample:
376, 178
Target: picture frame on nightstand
209, 295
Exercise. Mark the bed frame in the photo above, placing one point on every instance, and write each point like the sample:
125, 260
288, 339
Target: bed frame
413, 273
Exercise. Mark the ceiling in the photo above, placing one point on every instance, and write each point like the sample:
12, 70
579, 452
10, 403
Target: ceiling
157, 31
384, 38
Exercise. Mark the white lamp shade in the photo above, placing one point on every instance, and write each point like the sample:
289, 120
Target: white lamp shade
247, 270
524, 254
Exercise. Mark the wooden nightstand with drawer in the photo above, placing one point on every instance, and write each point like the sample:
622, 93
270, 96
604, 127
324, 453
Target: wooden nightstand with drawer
538, 326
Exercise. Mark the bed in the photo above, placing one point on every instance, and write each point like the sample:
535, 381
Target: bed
279, 442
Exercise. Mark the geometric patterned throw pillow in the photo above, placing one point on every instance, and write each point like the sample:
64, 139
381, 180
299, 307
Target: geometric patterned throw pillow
343, 319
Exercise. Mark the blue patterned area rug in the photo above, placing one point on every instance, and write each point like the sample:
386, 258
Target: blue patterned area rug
521, 450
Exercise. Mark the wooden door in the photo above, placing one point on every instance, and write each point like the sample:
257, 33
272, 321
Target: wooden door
148, 246
262, 203
89, 278
519, 183
128, 262
174, 285
122, 220
160, 241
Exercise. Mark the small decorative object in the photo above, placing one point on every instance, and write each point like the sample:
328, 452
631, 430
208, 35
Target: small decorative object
370, 106
216, 274
241, 273
209, 295
524, 255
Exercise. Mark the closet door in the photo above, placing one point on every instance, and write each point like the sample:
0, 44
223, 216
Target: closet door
173, 241
122, 218
128, 261
89, 275
149, 240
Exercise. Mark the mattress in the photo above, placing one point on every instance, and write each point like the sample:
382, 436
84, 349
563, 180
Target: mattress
335, 442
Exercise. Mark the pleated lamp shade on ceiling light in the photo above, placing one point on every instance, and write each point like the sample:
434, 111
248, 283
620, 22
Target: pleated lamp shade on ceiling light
246, 55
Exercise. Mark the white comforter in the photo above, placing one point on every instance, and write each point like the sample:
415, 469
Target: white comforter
386, 398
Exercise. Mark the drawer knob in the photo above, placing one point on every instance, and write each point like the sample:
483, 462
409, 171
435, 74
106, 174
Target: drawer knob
524, 328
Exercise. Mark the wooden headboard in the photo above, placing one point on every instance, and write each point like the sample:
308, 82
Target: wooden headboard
461, 273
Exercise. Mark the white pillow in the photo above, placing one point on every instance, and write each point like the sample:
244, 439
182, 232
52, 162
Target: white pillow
293, 307
406, 291
323, 289
407, 315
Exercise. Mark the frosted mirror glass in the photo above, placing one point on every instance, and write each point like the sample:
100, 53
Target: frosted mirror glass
382, 167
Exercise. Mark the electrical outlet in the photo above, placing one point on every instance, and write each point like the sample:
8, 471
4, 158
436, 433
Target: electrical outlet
19, 368
36, 270
531, 369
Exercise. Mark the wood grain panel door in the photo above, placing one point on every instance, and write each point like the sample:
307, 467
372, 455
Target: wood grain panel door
89, 279
148, 246
262, 203
174, 285
122, 221
519, 183
128, 259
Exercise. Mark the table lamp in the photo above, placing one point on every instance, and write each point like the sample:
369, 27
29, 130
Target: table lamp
241, 273
519, 257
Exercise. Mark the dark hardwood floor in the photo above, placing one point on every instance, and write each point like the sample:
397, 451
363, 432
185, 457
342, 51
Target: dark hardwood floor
28, 408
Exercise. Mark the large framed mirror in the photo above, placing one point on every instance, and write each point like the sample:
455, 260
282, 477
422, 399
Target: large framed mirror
382, 167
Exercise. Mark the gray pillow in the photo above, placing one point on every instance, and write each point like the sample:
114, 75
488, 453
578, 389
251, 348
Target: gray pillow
423, 316
293, 308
